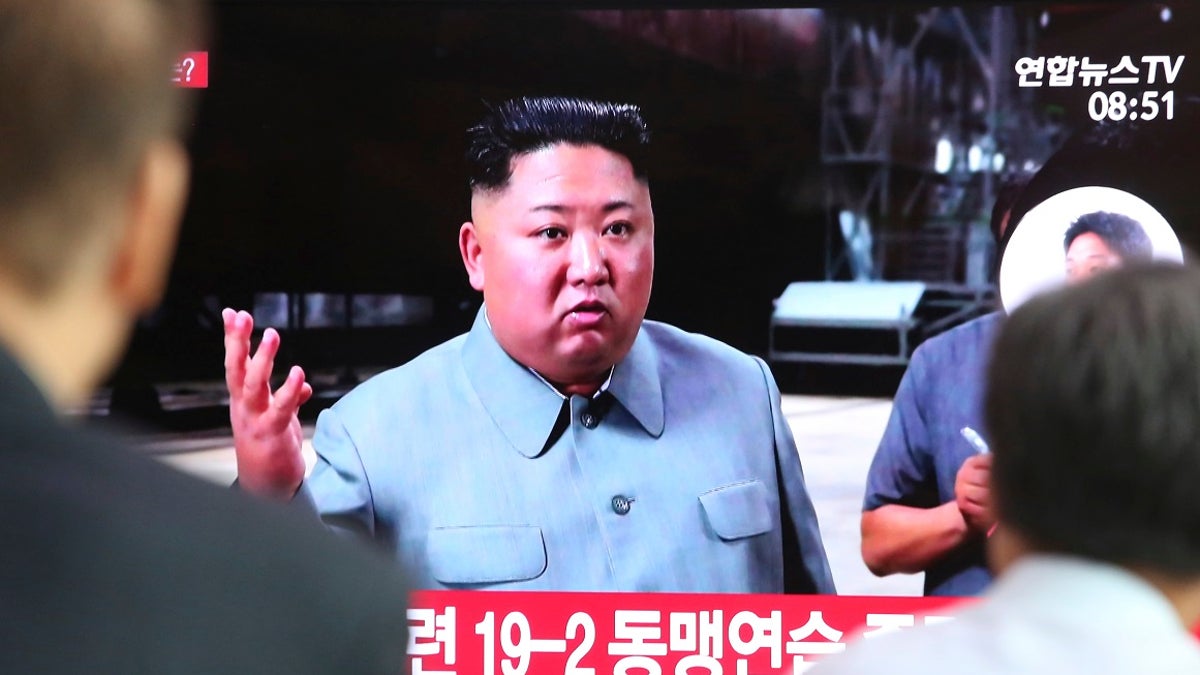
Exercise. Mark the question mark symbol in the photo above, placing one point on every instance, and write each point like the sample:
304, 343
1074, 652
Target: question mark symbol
189, 64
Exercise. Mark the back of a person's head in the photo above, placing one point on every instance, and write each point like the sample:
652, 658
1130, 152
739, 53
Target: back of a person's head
84, 87
524, 125
1093, 407
1123, 235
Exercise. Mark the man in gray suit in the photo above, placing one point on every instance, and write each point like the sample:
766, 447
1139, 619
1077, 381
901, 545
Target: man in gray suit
564, 442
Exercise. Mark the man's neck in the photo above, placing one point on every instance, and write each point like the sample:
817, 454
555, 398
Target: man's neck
1183, 592
586, 389
58, 348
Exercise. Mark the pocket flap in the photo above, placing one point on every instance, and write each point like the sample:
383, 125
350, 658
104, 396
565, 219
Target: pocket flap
486, 554
737, 511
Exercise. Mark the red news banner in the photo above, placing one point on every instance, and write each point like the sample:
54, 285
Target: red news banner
515, 633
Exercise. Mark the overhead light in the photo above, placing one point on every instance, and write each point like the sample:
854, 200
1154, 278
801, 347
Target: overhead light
944, 157
1044, 20
1165, 14
998, 162
975, 158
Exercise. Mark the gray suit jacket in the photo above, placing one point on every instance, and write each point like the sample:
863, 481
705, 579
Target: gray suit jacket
683, 476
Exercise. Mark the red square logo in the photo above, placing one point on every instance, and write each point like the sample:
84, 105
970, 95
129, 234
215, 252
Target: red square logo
191, 71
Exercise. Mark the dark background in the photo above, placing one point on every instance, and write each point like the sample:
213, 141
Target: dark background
328, 158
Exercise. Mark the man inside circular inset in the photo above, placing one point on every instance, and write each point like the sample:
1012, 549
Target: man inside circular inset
1101, 240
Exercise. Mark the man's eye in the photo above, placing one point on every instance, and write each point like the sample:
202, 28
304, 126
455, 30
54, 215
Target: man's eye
552, 233
620, 229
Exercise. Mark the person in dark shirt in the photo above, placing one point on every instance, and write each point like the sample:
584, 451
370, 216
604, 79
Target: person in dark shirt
110, 562
927, 502
1091, 401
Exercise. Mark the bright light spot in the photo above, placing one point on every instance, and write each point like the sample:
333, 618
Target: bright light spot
944, 157
1165, 14
975, 158
998, 162
1044, 20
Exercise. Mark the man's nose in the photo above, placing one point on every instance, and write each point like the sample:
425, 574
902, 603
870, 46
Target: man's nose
588, 263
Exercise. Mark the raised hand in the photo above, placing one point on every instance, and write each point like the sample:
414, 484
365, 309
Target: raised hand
266, 426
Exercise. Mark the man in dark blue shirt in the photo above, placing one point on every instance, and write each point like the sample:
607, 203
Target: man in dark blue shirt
926, 506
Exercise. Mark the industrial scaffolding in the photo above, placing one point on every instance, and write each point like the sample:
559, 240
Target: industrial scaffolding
921, 118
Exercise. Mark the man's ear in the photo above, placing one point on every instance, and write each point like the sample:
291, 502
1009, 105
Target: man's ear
472, 254
151, 226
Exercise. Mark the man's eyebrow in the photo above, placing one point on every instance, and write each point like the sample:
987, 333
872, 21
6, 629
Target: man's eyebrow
616, 205
608, 207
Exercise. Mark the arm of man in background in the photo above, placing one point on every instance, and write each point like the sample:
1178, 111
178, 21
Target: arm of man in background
907, 539
908, 524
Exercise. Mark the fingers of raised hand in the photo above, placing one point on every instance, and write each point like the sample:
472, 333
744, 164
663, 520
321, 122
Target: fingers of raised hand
257, 386
292, 393
238, 326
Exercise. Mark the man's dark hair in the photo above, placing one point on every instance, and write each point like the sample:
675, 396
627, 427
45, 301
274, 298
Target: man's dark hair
84, 85
523, 125
1122, 234
1093, 406
1006, 198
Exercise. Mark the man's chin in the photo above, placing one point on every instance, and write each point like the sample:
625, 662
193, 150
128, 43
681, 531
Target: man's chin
585, 363
585, 356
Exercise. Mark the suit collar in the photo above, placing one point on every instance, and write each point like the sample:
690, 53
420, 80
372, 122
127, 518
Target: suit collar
20, 398
526, 410
637, 387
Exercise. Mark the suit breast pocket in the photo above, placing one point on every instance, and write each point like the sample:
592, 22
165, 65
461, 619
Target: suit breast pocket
486, 554
738, 511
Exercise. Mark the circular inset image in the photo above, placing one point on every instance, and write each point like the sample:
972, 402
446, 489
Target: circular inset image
1077, 233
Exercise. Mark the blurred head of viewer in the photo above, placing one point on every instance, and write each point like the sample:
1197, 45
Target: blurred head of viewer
1092, 407
561, 236
93, 177
1102, 240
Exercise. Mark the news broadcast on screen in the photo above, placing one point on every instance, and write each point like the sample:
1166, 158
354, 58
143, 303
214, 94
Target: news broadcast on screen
649, 340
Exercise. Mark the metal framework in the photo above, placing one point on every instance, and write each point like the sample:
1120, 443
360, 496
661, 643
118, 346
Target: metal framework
898, 82
901, 84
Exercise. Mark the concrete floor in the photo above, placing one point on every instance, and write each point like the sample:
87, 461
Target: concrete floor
836, 438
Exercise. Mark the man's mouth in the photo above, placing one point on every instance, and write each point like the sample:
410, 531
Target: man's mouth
588, 312
590, 306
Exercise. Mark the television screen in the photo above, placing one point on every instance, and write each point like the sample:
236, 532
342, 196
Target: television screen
823, 181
